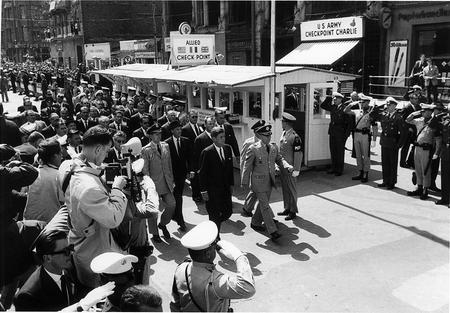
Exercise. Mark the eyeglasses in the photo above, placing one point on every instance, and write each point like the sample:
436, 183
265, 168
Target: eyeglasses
67, 251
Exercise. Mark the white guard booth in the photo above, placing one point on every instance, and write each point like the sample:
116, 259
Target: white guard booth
245, 93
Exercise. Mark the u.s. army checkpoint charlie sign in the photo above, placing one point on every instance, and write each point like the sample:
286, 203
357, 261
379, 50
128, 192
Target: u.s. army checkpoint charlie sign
192, 49
332, 29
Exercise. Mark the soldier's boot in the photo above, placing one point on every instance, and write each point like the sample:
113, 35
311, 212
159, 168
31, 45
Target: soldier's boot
365, 177
424, 195
359, 177
416, 192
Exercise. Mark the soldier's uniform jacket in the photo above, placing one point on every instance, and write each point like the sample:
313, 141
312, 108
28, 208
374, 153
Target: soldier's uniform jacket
158, 166
340, 122
247, 143
259, 166
392, 128
291, 148
93, 212
211, 289
363, 120
425, 132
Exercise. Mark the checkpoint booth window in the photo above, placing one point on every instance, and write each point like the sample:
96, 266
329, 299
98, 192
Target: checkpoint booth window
295, 101
254, 104
238, 103
211, 104
224, 100
196, 97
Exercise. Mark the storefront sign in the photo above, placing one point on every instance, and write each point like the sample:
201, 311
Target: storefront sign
397, 62
415, 15
97, 51
144, 55
332, 29
192, 49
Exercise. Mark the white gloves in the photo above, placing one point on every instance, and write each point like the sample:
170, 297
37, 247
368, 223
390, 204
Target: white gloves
295, 173
96, 295
435, 156
229, 250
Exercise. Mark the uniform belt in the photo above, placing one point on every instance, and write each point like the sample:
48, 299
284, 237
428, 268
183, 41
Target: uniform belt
364, 131
423, 145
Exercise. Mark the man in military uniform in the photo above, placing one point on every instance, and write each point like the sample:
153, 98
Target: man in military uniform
407, 161
291, 151
339, 130
445, 158
197, 285
391, 139
362, 136
423, 153
158, 165
250, 200
259, 170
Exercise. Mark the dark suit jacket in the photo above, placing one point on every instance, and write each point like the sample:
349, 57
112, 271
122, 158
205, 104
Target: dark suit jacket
230, 139
162, 120
111, 157
140, 134
134, 122
165, 131
40, 293
200, 143
81, 128
213, 173
180, 161
9, 132
188, 132
124, 128
48, 132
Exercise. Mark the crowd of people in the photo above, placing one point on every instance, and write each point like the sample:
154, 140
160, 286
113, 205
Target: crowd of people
91, 180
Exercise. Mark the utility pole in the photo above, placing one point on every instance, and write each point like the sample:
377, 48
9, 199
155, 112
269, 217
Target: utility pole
272, 56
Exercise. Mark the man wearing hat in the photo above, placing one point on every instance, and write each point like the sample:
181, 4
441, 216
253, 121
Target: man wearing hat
250, 200
198, 285
172, 115
391, 139
407, 160
423, 154
437, 114
216, 177
338, 131
292, 152
94, 210
28, 150
118, 268
158, 165
180, 153
259, 173
362, 135
445, 156
230, 138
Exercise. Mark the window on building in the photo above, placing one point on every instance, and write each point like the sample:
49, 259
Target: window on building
196, 99
213, 12
239, 11
211, 98
254, 104
224, 100
238, 103
295, 97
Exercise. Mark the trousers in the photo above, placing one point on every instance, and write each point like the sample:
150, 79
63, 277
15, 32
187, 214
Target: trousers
289, 189
264, 212
389, 164
421, 162
362, 151
250, 201
337, 149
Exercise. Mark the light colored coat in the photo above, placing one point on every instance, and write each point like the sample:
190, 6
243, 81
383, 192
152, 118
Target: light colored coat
247, 143
291, 148
259, 167
93, 211
158, 166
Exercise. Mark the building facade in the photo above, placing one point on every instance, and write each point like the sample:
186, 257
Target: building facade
23, 30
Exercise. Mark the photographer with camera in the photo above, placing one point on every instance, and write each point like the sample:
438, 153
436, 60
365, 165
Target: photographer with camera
94, 209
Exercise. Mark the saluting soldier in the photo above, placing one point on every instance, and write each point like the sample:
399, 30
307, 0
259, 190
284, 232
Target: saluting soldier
391, 139
338, 131
362, 135
259, 172
292, 152
423, 153
250, 200
445, 158
197, 285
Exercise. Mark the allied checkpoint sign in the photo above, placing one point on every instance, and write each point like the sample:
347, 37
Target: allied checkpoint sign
332, 29
192, 49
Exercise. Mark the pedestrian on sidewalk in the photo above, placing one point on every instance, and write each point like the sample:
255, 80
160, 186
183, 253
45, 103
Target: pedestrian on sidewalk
4, 87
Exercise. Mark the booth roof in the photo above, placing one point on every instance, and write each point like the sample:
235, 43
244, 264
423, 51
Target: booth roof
224, 75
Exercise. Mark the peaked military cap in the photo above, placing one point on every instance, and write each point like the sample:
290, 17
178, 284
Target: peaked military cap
201, 236
154, 129
264, 130
288, 117
258, 124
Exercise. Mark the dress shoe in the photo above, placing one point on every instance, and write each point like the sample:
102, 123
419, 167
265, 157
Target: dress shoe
442, 202
156, 239
424, 195
291, 216
365, 177
257, 227
382, 185
285, 212
416, 192
275, 235
246, 213
358, 177
434, 188
166, 233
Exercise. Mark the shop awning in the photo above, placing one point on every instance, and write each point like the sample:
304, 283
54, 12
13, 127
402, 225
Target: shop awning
318, 53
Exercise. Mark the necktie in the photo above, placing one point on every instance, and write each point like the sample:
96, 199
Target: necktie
159, 148
178, 146
196, 130
221, 155
268, 149
65, 288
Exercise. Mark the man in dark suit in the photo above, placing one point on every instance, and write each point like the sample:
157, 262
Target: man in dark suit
163, 119
191, 130
9, 132
50, 130
115, 153
416, 76
141, 132
216, 177
180, 154
119, 124
135, 120
165, 129
201, 142
49, 287
84, 123
230, 138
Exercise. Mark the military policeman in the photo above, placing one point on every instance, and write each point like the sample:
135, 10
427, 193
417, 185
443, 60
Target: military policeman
391, 139
197, 285
362, 136
338, 131
259, 169
423, 153
291, 151
250, 200
445, 159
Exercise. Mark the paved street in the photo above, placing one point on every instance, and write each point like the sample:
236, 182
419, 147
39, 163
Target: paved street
356, 247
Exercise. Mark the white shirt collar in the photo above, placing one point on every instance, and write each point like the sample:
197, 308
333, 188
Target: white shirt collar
175, 139
56, 278
218, 149
208, 133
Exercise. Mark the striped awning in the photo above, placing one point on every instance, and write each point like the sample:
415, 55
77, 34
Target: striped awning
318, 53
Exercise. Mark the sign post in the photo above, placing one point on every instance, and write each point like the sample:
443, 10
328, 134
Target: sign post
192, 49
